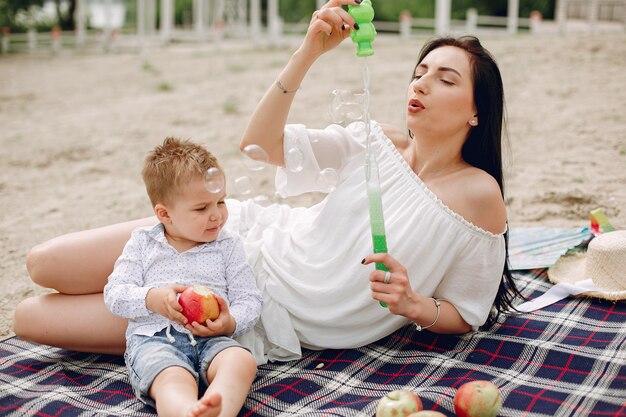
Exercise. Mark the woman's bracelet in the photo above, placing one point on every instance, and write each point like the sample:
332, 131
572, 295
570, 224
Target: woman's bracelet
279, 85
438, 305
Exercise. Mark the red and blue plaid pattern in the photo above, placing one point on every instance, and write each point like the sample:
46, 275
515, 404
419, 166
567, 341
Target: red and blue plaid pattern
568, 359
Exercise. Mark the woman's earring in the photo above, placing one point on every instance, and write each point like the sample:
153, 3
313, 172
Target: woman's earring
473, 122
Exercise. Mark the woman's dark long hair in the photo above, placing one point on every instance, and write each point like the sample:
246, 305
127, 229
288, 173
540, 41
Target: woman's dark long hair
483, 147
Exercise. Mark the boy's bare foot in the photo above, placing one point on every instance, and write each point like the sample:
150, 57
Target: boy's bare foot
209, 405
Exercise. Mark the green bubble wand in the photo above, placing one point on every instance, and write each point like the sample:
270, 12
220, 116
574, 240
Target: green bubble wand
363, 14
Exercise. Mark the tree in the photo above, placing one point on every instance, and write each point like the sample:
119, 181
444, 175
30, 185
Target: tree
499, 7
389, 10
8, 9
66, 18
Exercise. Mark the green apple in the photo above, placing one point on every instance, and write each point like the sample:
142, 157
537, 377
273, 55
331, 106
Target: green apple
398, 403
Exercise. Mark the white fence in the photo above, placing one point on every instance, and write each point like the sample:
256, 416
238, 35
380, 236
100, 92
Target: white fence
607, 10
211, 20
473, 23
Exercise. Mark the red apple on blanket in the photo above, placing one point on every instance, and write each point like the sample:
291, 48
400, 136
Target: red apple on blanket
398, 403
199, 303
477, 399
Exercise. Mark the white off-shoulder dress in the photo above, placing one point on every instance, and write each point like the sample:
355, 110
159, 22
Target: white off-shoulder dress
316, 292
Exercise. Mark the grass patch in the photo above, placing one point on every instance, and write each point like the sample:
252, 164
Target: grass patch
148, 67
164, 86
230, 107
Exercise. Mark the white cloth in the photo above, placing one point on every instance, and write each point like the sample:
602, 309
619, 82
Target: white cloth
316, 292
149, 261
563, 290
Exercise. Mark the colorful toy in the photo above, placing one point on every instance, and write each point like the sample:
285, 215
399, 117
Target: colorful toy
363, 14
599, 222
377, 221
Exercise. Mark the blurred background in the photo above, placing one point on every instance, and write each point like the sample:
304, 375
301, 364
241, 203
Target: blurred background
36, 24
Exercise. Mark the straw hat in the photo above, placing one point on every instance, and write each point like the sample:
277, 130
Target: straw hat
604, 263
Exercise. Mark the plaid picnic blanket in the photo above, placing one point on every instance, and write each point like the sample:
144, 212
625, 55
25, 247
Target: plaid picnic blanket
568, 359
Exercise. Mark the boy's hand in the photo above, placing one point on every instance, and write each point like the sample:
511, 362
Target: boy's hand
223, 325
164, 301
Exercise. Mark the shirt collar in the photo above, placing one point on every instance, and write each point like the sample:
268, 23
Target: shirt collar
158, 233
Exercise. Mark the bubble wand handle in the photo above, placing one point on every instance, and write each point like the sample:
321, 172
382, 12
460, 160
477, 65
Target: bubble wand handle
363, 37
377, 221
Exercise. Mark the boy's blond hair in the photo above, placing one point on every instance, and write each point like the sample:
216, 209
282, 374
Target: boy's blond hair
172, 165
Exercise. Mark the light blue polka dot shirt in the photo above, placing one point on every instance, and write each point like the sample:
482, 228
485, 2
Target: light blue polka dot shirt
149, 261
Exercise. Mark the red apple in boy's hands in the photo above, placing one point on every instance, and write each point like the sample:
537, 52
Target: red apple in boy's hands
199, 304
477, 399
398, 403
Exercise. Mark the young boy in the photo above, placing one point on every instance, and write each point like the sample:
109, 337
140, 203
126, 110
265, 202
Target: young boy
165, 361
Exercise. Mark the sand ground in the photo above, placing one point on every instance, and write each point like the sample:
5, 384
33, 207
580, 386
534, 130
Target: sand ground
76, 126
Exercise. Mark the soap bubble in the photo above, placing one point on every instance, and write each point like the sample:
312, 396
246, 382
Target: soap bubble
214, 180
262, 200
254, 157
327, 179
347, 106
242, 186
294, 160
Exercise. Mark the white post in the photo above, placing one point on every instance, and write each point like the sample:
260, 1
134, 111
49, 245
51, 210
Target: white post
471, 20
273, 20
4, 46
592, 16
167, 20
108, 26
535, 21
150, 17
512, 21
208, 13
442, 17
255, 18
242, 16
79, 16
198, 16
218, 21
141, 20
561, 15
405, 24
56, 39
32, 39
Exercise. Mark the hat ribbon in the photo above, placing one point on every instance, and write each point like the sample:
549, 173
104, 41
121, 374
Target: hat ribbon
557, 293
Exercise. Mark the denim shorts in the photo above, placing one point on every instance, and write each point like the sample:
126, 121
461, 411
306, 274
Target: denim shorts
147, 356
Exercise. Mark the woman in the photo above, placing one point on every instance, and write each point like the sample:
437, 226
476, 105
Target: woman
442, 191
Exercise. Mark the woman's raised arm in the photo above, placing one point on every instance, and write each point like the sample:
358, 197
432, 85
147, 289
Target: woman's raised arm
329, 26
